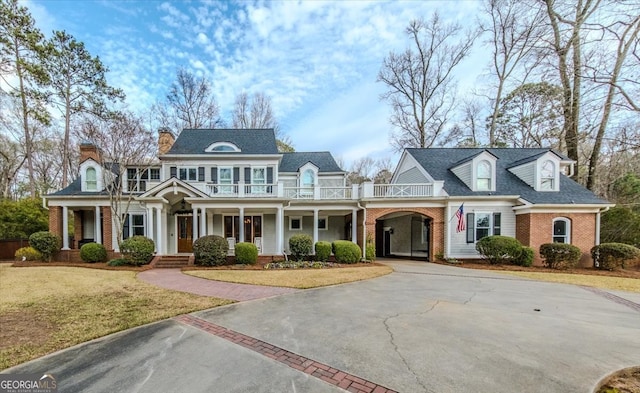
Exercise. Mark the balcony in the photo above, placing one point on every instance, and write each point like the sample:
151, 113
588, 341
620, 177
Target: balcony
321, 193
242, 190
397, 191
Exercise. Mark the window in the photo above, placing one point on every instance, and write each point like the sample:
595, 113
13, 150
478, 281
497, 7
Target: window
133, 225
481, 225
222, 147
295, 223
323, 223
483, 176
548, 176
252, 228
154, 174
307, 181
258, 176
189, 174
137, 178
91, 179
561, 230
225, 178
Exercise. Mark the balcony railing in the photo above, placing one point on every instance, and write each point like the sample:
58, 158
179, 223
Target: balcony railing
319, 193
402, 190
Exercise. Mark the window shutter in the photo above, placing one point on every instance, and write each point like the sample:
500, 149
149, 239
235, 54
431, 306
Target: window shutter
496, 223
201, 173
174, 171
247, 175
471, 226
269, 175
125, 227
236, 174
214, 175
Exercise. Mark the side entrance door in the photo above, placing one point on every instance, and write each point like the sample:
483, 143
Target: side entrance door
185, 233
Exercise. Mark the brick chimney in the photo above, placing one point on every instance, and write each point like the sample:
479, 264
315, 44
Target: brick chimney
89, 150
165, 140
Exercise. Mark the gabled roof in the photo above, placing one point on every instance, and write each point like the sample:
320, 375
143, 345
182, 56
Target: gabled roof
437, 162
75, 189
250, 141
468, 159
533, 158
325, 162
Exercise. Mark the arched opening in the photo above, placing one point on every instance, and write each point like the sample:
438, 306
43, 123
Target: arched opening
404, 234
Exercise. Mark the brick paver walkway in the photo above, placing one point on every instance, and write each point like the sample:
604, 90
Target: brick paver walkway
178, 281
341, 379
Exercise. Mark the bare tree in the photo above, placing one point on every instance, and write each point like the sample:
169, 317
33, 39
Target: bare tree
466, 132
421, 87
124, 142
190, 103
257, 112
514, 31
20, 43
384, 171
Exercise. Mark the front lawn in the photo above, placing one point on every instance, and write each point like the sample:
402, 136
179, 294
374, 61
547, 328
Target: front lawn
45, 309
294, 278
598, 281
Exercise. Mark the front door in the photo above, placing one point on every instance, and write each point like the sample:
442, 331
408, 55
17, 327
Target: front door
185, 233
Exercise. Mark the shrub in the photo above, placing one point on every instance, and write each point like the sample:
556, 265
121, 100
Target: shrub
611, 256
499, 249
46, 243
93, 252
118, 262
346, 251
137, 250
560, 255
300, 246
526, 257
323, 251
370, 252
210, 250
246, 253
28, 253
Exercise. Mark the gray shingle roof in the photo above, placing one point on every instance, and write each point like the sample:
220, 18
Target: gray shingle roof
75, 189
250, 141
437, 162
325, 162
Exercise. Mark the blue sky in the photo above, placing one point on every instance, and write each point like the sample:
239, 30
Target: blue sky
317, 60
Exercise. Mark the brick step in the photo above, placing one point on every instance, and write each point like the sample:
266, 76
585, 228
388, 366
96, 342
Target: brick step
170, 261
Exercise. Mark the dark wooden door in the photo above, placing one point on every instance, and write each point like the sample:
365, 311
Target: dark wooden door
185, 233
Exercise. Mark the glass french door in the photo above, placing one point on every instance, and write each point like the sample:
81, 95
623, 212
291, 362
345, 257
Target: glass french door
252, 228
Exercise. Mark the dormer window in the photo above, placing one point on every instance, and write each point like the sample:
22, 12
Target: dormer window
91, 179
548, 176
222, 147
307, 181
483, 176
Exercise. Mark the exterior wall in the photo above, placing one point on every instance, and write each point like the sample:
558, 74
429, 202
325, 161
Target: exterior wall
55, 220
526, 173
328, 182
77, 229
335, 229
412, 175
458, 247
535, 229
464, 173
107, 230
269, 234
435, 213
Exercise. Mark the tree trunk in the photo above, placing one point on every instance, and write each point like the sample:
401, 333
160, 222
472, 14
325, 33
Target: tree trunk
25, 123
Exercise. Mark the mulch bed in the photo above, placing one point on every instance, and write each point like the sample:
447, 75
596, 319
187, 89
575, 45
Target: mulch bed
260, 266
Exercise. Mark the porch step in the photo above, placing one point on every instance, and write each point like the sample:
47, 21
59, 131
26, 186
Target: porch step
170, 261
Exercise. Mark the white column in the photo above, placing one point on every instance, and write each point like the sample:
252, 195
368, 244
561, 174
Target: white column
150, 224
354, 226
315, 229
98, 231
241, 223
160, 235
279, 230
203, 222
65, 228
195, 224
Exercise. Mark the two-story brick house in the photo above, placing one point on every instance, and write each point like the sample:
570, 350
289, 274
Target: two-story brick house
235, 184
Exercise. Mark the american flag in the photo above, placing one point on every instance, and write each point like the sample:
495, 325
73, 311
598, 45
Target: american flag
460, 215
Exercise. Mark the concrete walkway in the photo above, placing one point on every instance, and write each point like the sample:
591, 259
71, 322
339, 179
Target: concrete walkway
178, 281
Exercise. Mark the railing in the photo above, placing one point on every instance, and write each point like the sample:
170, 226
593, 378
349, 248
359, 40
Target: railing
222, 190
321, 193
402, 190
242, 190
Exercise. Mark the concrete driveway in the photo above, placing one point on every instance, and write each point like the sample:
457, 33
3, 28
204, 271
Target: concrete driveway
424, 328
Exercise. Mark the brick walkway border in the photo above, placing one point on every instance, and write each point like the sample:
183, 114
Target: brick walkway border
613, 298
341, 379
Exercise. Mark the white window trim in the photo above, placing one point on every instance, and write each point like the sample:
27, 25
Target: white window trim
492, 227
291, 218
187, 169
477, 178
130, 226
95, 181
567, 227
83, 175
556, 175
326, 223
213, 146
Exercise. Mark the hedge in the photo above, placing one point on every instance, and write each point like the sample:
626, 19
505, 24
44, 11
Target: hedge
300, 246
46, 243
611, 256
499, 249
246, 253
28, 253
526, 257
560, 255
93, 252
137, 250
323, 251
346, 251
210, 250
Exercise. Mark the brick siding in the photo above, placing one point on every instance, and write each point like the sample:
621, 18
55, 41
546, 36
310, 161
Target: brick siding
107, 230
55, 220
